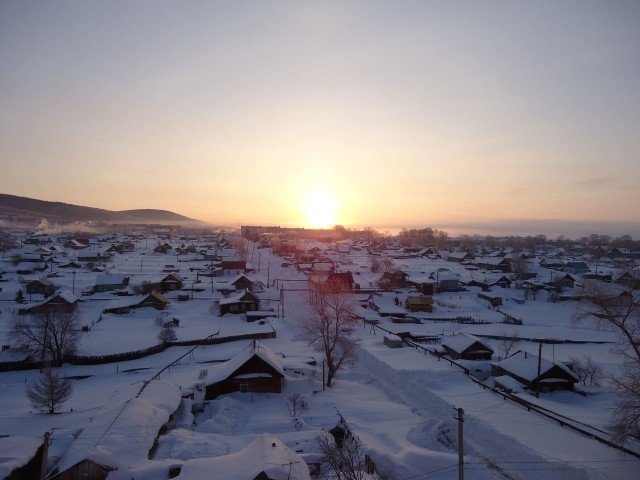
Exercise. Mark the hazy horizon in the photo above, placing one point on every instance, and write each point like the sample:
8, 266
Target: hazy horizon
463, 114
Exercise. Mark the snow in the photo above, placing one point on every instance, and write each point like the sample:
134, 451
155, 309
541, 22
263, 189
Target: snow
16, 452
265, 454
123, 436
398, 402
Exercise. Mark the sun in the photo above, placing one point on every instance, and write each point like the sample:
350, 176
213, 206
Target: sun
320, 208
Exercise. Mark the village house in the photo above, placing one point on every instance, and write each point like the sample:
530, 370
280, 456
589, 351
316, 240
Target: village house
63, 302
108, 283
460, 257
341, 281
42, 286
254, 369
448, 282
494, 263
419, 303
523, 367
392, 280
575, 268
242, 302
503, 282
232, 266
424, 285
552, 263
562, 281
467, 347
101, 447
152, 299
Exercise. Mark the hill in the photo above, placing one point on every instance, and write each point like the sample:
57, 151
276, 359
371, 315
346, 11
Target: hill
33, 209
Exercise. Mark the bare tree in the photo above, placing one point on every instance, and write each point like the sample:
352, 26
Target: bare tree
618, 308
296, 403
49, 391
330, 326
53, 335
507, 344
346, 462
520, 267
240, 246
587, 370
19, 298
167, 334
376, 265
625, 420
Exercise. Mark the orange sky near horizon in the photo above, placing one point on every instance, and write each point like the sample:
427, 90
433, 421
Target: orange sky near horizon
403, 114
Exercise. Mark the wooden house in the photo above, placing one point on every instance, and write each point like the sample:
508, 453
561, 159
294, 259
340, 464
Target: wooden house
108, 283
523, 367
240, 303
392, 280
562, 281
233, 266
153, 299
21, 457
42, 286
448, 282
460, 257
503, 282
63, 302
419, 303
467, 347
341, 281
254, 369
575, 268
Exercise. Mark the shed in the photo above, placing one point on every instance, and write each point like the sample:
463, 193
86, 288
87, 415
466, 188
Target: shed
392, 341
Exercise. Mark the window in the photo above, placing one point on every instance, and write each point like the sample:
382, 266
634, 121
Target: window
244, 388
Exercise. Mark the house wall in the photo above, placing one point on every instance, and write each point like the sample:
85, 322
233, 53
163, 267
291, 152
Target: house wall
85, 470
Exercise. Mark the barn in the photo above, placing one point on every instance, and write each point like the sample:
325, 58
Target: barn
254, 369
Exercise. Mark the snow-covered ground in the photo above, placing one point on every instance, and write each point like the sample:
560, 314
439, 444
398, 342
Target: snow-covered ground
400, 403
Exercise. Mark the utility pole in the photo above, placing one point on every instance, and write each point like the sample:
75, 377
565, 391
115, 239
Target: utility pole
268, 270
539, 365
74, 282
45, 453
460, 419
323, 375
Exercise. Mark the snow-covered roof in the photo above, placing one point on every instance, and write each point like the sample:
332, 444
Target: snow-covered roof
123, 436
459, 343
265, 454
525, 365
238, 297
16, 452
222, 371
110, 279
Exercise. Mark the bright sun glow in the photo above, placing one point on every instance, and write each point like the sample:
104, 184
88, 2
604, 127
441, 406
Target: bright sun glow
320, 208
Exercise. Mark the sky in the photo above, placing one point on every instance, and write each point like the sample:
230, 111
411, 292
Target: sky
409, 113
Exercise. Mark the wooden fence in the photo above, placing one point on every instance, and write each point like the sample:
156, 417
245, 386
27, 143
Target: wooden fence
136, 354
